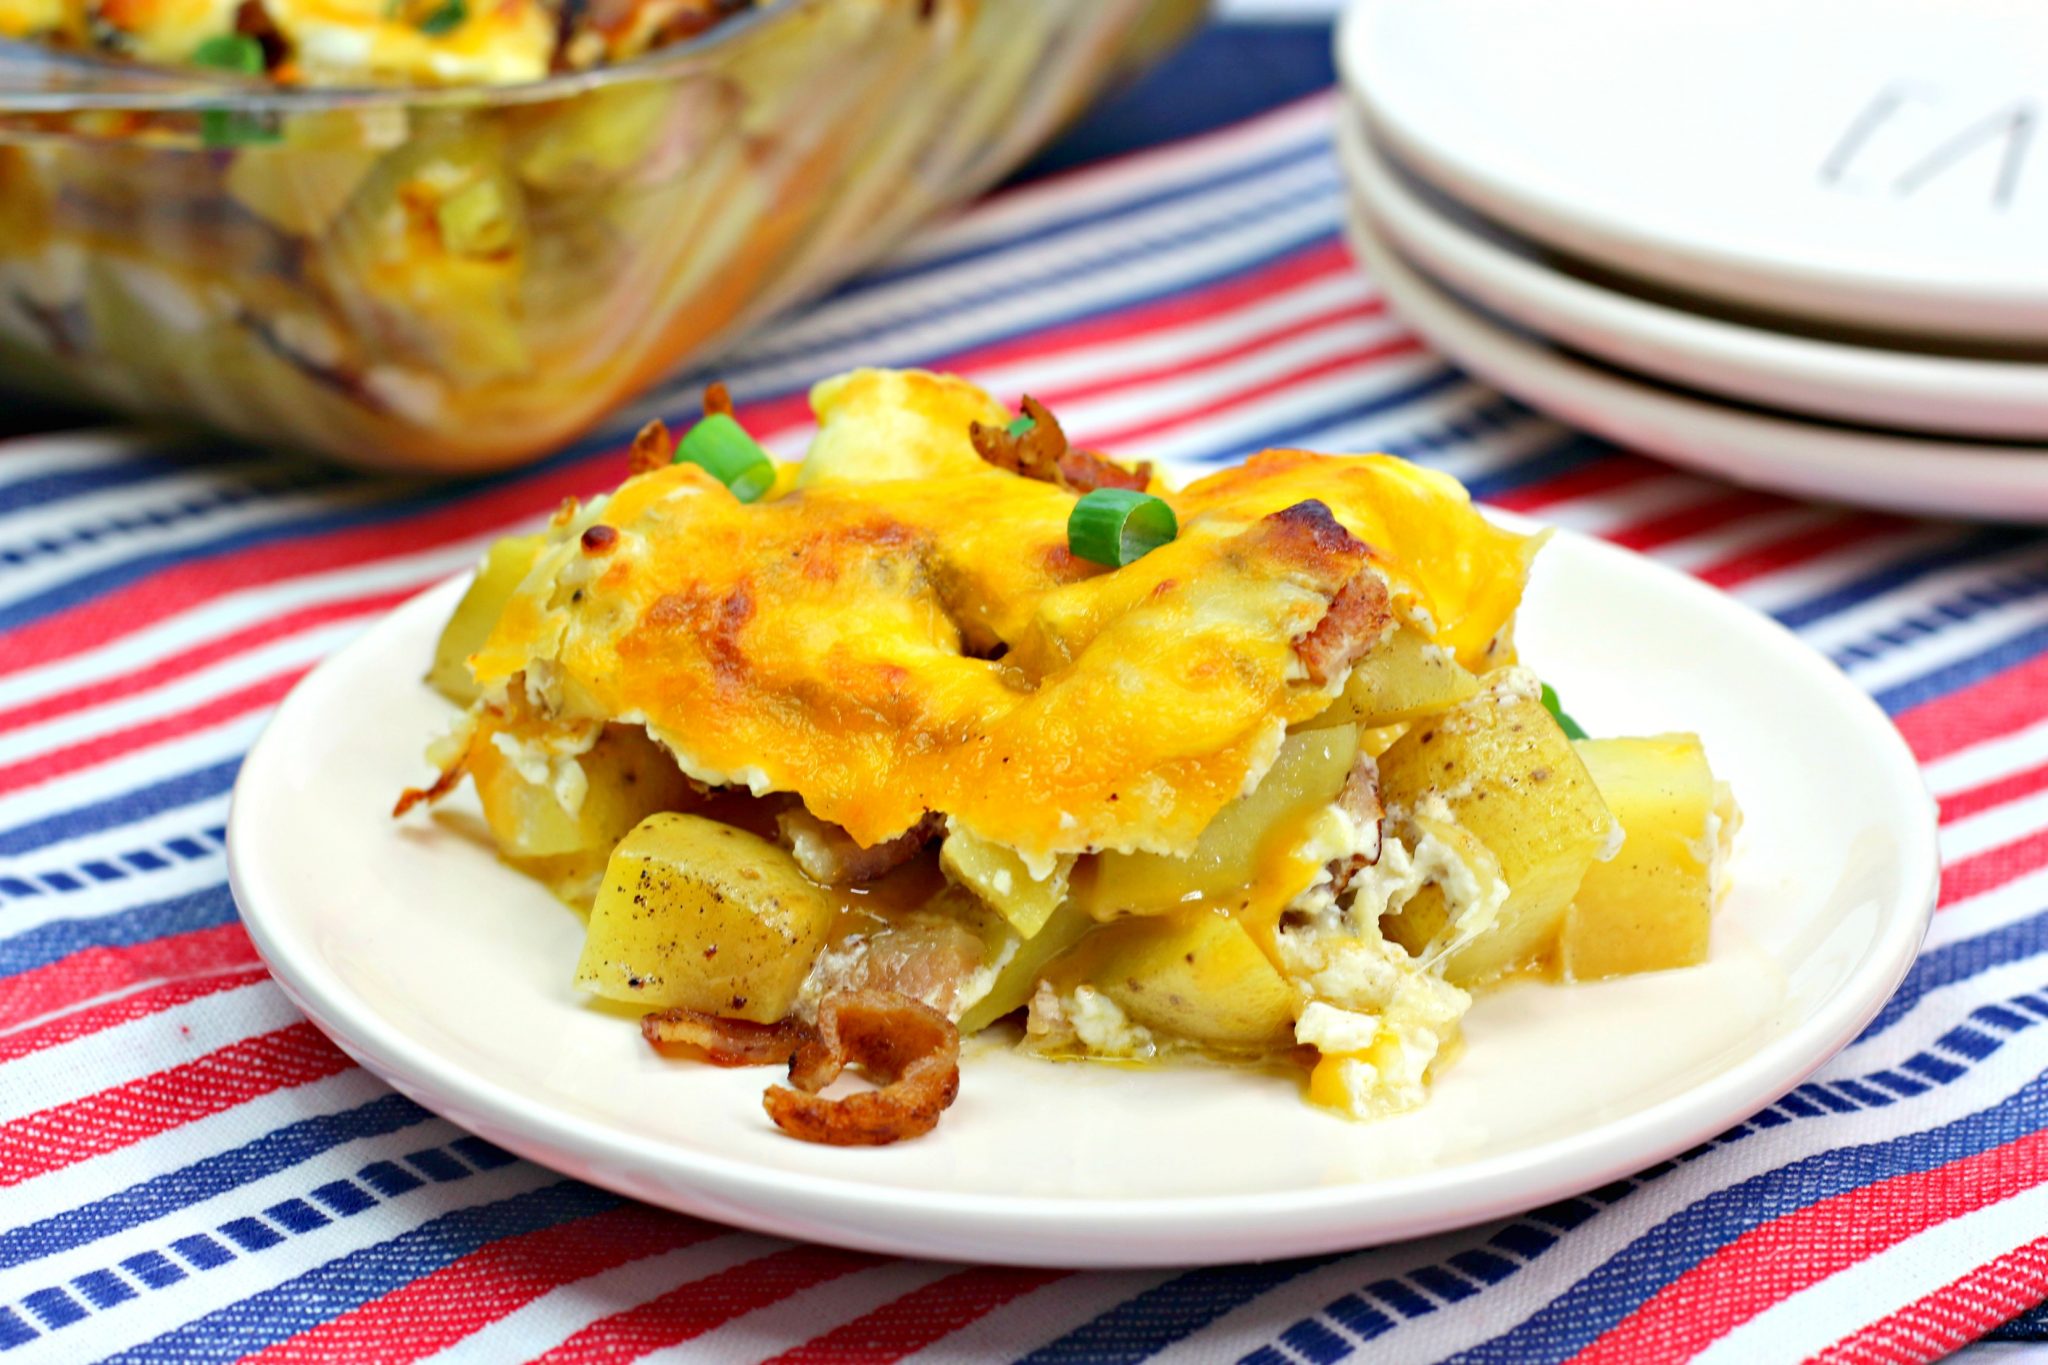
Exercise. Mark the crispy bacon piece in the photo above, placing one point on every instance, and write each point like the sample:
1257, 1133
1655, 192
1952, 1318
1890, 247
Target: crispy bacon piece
1356, 621
1084, 471
1035, 454
911, 1051
829, 855
652, 448
717, 399
1042, 453
441, 786
1309, 536
725, 1042
1360, 799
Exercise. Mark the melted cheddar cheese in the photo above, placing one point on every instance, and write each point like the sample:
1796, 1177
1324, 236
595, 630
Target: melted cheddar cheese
900, 628
358, 42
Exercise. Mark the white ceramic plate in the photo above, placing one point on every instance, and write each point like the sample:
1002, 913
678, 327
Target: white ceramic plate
448, 975
1874, 163
1866, 385
1922, 477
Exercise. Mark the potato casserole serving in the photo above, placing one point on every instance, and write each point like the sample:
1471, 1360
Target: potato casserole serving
956, 727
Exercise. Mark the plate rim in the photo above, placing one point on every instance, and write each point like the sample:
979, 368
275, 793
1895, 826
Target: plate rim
1920, 304
1916, 475
1048, 1230
1842, 381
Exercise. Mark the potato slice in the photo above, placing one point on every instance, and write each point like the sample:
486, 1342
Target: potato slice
626, 778
1502, 769
1197, 976
1020, 962
1405, 677
705, 916
1648, 908
1233, 854
999, 877
505, 564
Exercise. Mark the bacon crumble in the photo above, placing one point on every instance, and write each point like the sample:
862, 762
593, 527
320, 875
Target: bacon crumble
911, 1051
1041, 452
725, 1042
1357, 620
440, 787
653, 448
1360, 799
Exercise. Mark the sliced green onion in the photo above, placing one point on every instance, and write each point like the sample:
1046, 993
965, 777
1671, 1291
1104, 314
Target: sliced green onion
1565, 722
1021, 424
243, 56
1114, 526
236, 52
232, 128
446, 17
721, 447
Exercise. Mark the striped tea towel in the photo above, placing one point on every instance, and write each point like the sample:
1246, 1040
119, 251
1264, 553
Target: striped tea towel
188, 1171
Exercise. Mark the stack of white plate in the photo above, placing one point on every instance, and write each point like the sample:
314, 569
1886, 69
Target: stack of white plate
1802, 244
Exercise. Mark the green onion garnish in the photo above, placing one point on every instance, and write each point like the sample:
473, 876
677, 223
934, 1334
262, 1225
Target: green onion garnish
448, 16
236, 52
1021, 425
1565, 722
722, 447
1114, 526
243, 56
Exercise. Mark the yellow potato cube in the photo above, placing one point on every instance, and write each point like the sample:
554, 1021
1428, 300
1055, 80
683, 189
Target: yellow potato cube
1503, 770
625, 777
705, 916
1403, 678
1196, 975
1648, 908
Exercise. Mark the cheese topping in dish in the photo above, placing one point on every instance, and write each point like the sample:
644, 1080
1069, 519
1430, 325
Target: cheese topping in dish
363, 42
840, 749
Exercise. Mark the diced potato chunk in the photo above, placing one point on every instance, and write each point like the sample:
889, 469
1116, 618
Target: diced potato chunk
505, 564
876, 425
1503, 770
1197, 976
1648, 908
1020, 962
999, 877
626, 778
303, 190
1402, 679
1233, 853
705, 916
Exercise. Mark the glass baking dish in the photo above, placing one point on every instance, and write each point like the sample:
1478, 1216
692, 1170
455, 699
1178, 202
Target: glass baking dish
463, 278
